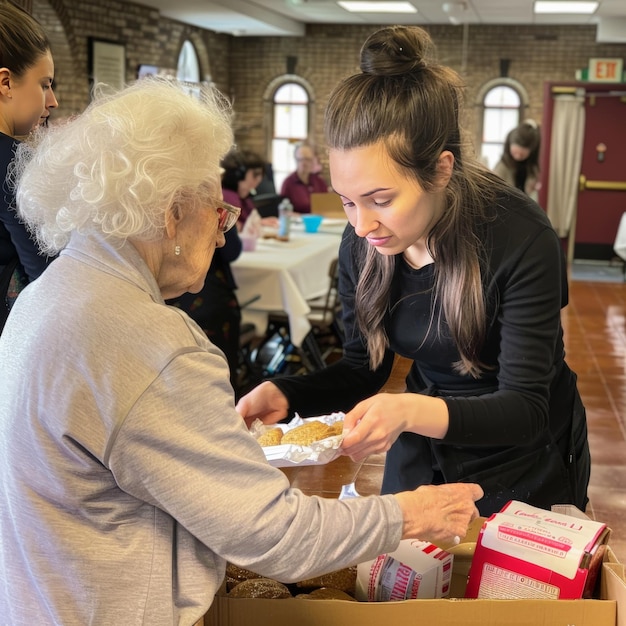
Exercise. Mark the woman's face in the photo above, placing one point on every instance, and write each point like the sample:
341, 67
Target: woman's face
384, 204
32, 96
519, 153
251, 181
305, 160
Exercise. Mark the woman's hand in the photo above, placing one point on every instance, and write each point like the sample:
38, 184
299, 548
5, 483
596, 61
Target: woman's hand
374, 424
439, 513
265, 402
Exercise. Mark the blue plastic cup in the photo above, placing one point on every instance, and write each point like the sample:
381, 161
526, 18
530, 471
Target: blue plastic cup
312, 222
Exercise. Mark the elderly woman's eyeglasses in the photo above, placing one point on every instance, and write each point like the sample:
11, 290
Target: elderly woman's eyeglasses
227, 216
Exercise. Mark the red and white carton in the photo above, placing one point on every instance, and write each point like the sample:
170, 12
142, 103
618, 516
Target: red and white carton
417, 569
528, 552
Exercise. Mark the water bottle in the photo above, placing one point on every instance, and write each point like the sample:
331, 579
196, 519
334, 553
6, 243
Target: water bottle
285, 209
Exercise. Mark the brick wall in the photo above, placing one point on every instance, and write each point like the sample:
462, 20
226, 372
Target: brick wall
327, 53
245, 68
147, 37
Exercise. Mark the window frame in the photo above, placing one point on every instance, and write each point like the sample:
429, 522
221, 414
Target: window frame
187, 71
280, 148
496, 147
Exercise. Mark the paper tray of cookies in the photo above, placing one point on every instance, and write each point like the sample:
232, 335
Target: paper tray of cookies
308, 441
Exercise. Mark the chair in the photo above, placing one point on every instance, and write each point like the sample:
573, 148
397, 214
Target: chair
327, 203
269, 355
325, 315
326, 336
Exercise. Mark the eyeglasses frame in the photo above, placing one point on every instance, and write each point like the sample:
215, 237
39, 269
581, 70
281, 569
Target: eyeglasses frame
232, 215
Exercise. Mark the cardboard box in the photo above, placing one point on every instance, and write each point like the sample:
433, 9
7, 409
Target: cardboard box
610, 610
417, 569
527, 552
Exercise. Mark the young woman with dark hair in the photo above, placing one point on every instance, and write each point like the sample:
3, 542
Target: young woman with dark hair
519, 165
445, 264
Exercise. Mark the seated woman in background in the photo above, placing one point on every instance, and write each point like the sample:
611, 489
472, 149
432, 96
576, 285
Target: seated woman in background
519, 165
299, 185
128, 478
243, 171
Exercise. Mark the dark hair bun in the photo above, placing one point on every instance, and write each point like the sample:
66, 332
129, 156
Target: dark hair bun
396, 50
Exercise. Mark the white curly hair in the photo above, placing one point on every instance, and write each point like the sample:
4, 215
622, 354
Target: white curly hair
117, 167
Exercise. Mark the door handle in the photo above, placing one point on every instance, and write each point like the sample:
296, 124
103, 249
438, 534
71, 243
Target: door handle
600, 185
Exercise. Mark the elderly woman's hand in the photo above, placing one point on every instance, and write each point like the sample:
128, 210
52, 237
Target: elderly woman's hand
439, 513
265, 402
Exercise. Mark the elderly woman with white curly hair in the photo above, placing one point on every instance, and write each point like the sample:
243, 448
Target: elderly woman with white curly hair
128, 478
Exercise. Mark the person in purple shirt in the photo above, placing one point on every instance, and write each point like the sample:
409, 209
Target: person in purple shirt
299, 185
26, 97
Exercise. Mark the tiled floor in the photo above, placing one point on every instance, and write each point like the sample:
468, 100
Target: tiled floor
595, 338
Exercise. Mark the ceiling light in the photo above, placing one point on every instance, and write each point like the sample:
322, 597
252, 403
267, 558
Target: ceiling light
455, 11
565, 6
377, 7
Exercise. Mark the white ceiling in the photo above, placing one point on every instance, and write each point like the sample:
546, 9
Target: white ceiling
289, 17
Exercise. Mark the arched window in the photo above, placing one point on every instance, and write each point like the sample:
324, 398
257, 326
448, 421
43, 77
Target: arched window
502, 103
291, 113
188, 66
188, 70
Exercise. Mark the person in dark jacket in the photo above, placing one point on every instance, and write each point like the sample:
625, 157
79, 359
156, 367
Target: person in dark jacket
444, 263
26, 98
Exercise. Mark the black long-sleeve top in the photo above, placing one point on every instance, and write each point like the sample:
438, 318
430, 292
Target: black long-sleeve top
525, 398
15, 241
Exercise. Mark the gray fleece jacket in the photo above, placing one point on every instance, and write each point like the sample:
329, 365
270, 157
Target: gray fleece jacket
127, 477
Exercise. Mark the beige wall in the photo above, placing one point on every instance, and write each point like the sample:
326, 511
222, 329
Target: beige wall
246, 68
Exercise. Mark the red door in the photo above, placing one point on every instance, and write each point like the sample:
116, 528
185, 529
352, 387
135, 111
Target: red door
602, 200
602, 194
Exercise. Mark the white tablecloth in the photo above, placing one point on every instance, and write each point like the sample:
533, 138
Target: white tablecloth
620, 239
285, 275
